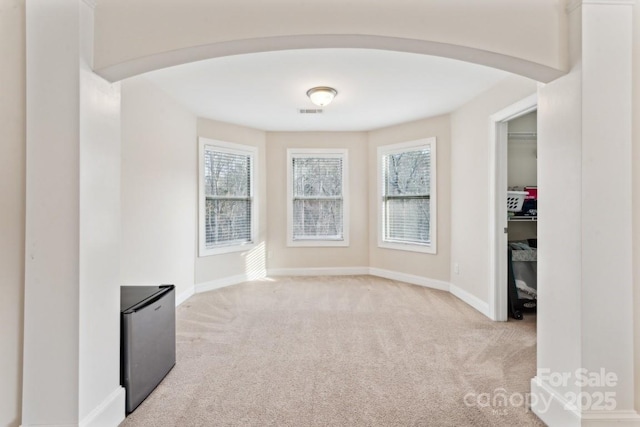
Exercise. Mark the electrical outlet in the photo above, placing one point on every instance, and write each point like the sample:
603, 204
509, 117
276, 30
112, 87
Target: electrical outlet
456, 268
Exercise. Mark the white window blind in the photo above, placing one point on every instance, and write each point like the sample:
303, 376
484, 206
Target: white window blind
228, 197
317, 197
406, 194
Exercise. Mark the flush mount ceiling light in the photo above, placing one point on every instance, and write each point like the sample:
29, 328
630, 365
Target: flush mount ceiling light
321, 95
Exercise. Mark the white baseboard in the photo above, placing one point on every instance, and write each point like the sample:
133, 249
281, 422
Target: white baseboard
228, 281
610, 418
325, 271
552, 408
48, 425
109, 413
410, 278
472, 300
185, 295
241, 278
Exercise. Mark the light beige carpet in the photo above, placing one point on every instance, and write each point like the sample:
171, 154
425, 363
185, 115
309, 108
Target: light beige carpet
341, 351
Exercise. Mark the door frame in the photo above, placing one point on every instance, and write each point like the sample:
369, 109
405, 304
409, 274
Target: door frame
498, 139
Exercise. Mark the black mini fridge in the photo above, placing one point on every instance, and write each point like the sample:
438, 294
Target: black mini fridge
147, 339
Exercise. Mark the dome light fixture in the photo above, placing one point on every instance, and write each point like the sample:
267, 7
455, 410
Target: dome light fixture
321, 95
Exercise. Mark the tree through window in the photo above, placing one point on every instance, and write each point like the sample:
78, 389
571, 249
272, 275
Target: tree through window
226, 196
407, 194
317, 199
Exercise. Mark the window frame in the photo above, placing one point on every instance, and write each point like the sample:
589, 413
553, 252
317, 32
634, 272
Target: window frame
431, 247
318, 153
232, 148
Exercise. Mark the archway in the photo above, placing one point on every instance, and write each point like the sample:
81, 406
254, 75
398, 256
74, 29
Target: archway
512, 64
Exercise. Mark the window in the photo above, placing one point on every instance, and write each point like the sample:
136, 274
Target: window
317, 206
227, 206
407, 195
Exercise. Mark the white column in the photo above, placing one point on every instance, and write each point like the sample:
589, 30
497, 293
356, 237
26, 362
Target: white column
71, 337
607, 281
101, 400
586, 311
559, 239
50, 384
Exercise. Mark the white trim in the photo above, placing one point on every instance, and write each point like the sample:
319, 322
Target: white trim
185, 295
383, 150
551, 407
135, 66
342, 153
498, 291
610, 418
361, 271
410, 278
409, 247
245, 247
325, 243
472, 300
610, 2
229, 281
48, 425
108, 413
575, 4
233, 148
323, 271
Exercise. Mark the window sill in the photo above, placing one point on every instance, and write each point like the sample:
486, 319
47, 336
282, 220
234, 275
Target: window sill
226, 250
317, 243
425, 249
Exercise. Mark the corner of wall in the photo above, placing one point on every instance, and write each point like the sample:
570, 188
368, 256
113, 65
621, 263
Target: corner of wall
159, 187
12, 212
636, 195
212, 272
470, 204
433, 266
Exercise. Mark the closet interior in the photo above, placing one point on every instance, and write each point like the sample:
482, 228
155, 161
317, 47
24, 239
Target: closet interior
522, 179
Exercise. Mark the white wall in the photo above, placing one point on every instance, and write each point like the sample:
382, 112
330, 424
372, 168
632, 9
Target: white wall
636, 196
429, 266
99, 319
470, 182
159, 188
132, 29
585, 247
72, 274
460, 185
521, 154
283, 257
607, 264
12, 209
50, 388
216, 270
559, 229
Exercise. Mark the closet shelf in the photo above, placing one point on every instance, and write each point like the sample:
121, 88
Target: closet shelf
523, 136
523, 218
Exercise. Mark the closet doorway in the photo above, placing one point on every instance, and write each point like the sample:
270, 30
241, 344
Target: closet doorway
518, 119
522, 215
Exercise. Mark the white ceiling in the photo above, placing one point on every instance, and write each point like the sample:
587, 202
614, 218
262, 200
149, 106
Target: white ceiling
375, 88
